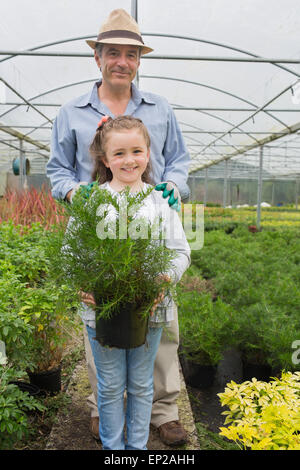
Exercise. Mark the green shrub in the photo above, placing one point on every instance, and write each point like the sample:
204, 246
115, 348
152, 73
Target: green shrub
14, 406
206, 327
14, 332
258, 275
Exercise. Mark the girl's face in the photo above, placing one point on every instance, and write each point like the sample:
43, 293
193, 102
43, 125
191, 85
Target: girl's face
127, 156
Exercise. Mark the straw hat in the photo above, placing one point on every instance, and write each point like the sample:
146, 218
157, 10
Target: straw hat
120, 28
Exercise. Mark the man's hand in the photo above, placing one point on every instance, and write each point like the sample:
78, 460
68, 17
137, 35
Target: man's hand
87, 298
161, 295
70, 194
170, 190
85, 189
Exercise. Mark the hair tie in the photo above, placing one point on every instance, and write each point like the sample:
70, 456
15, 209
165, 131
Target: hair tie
101, 123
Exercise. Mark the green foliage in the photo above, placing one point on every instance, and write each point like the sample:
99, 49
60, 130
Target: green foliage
258, 276
49, 313
264, 416
35, 319
209, 440
14, 406
13, 331
206, 327
117, 266
35, 313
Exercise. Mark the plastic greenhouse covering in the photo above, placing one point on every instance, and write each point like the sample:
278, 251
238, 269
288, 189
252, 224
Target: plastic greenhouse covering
229, 69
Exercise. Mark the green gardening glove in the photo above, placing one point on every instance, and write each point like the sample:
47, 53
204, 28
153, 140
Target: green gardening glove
169, 190
83, 188
86, 189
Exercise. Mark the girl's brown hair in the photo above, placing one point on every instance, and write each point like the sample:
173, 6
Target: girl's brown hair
97, 148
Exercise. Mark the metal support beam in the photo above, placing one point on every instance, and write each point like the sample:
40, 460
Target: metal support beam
259, 188
25, 100
205, 188
134, 14
21, 167
270, 138
263, 60
193, 188
21, 136
225, 184
273, 193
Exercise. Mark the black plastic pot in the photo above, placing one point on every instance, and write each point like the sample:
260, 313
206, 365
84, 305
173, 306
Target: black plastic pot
33, 390
197, 375
259, 371
48, 381
126, 328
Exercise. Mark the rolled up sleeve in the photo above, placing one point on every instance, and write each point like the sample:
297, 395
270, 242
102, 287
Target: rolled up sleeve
176, 156
61, 165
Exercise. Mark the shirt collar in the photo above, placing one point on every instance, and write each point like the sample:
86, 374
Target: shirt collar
92, 97
89, 98
138, 96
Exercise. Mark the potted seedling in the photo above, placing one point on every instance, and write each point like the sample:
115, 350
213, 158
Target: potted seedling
49, 311
254, 321
205, 333
109, 250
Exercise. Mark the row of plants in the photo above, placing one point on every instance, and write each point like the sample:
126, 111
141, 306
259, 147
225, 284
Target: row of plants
28, 207
242, 292
255, 277
271, 217
35, 311
36, 320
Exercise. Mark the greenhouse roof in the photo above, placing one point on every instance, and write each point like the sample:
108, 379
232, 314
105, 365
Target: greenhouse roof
229, 69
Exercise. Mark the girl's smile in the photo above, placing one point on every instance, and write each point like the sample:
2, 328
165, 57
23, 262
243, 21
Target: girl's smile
127, 156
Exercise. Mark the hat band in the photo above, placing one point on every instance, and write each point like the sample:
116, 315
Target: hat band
120, 33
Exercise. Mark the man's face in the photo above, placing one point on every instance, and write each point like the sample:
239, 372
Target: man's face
119, 64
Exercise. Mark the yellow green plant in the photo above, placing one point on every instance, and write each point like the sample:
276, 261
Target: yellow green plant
263, 415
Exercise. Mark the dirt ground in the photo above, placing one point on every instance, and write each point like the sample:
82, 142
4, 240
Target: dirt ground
206, 407
71, 431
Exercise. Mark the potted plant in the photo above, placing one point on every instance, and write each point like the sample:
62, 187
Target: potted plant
254, 321
206, 331
109, 250
47, 309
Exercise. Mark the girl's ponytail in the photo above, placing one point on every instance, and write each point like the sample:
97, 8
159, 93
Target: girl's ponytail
100, 172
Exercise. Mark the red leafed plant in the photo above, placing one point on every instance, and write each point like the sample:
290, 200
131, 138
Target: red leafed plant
252, 228
30, 206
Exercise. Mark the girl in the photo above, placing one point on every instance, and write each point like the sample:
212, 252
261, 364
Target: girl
121, 152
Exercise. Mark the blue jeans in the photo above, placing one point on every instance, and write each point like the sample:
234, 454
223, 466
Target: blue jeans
118, 369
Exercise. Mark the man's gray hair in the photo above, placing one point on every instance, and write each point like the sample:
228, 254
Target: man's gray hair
99, 47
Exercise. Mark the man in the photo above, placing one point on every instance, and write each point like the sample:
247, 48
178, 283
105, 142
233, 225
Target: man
117, 52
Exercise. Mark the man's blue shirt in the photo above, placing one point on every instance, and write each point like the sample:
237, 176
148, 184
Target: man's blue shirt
75, 126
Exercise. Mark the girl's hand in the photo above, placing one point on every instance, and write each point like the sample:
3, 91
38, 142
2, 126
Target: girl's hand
87, 298
161, 295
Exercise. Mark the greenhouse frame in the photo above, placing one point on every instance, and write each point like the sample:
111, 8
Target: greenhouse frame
234, 137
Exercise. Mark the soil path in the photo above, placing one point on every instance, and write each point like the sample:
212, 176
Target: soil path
71, 431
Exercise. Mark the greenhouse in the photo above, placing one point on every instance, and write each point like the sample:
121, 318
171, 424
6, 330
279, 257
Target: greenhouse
230, 73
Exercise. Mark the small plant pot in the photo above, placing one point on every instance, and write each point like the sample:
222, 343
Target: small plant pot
49, 381
197, 375
259, 371
126, 328
33, 390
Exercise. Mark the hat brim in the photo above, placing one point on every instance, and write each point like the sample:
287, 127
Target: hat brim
121, 41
